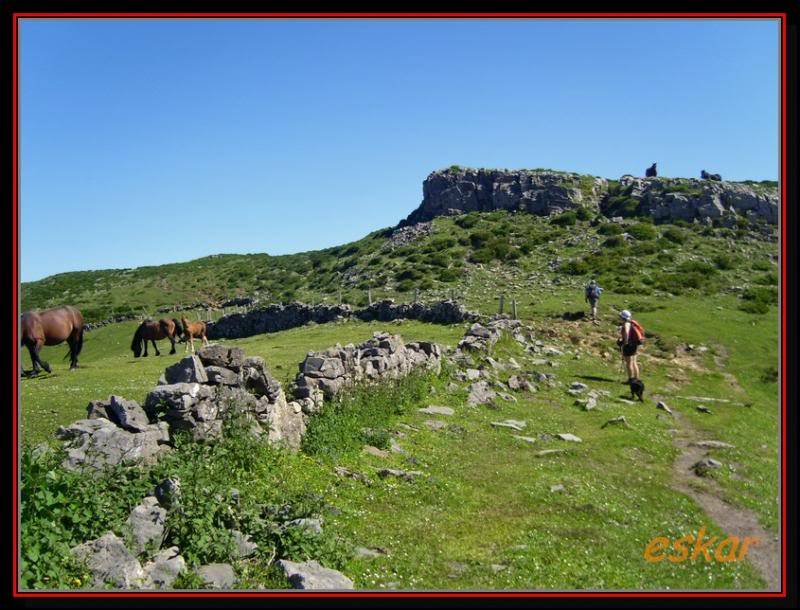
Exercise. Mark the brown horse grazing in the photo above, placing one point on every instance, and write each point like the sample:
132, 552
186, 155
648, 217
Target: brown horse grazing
192, 330
51, 327
153, 331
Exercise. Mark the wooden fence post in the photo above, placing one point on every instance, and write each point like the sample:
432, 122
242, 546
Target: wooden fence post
369, 295
416, 295
514, 308
502, 303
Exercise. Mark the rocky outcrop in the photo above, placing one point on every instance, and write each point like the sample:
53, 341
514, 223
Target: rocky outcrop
385, 356
668, 200
543, 192
274, 318
460, 190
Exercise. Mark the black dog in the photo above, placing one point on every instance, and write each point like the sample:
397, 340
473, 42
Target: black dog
637, 388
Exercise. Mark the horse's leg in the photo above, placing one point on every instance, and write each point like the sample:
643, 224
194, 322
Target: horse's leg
205, 340
145, 348
34, 359
172, 343
73, 359
155, 347
37, 360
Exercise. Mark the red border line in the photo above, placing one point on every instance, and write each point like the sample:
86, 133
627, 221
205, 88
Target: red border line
374, 15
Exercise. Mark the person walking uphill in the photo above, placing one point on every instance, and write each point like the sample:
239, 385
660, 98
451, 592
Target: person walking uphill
593, 292
631, 337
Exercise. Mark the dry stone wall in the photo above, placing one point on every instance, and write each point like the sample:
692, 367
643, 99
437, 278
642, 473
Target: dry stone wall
274, 318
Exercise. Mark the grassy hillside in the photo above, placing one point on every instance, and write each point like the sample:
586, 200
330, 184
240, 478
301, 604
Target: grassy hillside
484, 515
537, 251
488, 513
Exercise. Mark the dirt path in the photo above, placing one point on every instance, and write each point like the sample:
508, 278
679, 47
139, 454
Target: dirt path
766, 555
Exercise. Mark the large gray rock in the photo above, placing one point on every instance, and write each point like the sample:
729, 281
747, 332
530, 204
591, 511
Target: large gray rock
146, 525
221, 356
480, 393
164, 568
98, 443
188, 369
178, 396
218, 375
217, 575
127, 414
110, 562
168, 492
312, 575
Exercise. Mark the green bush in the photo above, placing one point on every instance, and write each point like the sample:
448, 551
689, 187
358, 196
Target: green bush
675, 235
643, 231
758, 299
609, 228
480, 238
726, 262
574, 267
583, 213
566, 219
467, 221
617, 241
767, 279
645, 248
762, 265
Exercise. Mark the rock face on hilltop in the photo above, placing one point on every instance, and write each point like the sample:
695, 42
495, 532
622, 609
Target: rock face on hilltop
690, 199
544, 192
462, 190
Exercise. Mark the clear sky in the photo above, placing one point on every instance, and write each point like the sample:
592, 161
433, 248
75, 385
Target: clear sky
146, 141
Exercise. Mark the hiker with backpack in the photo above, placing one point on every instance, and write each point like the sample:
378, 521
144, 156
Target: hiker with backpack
593, 292
631, 337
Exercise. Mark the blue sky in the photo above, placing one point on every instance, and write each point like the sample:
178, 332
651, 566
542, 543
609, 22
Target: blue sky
154, 141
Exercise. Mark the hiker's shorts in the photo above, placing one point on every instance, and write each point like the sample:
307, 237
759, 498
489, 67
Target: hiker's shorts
592, 302
629, 349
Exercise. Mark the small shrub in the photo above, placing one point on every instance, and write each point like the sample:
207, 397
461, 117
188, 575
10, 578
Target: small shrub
617, 241
643, 231
583, 214
675, 235
566, 219
609, 228
770, 375
767, 279
644, 248
467, 221
575, 267
725, 262
480, 238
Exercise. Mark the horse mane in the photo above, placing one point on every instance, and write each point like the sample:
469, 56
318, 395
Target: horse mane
136, 344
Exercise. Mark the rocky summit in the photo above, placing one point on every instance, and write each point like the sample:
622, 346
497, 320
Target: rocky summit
459, 190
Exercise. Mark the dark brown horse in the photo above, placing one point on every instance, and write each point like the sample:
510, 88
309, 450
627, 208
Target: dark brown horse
192, 331
51, 327
153, 331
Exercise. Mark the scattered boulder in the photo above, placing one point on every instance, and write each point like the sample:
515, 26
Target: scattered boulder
702, 467
312, 575
245, 547
374, 451
436, 410
407, 475
510, 423
480, 393
617, 421
712, 445
168, 492
663, 406
110, 562
217, 575
146, 525
528, 439
164, 568
566, 436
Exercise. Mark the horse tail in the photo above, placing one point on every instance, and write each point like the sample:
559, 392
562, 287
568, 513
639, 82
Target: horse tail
136, 344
